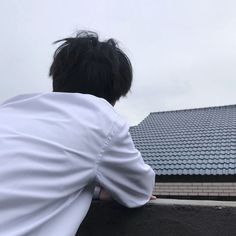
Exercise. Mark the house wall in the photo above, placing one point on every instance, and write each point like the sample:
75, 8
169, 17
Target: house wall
195, 189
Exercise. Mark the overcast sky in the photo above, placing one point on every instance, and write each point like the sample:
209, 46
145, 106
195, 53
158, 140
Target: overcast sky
183, 52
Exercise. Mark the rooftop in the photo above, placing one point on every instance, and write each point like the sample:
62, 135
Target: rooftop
198, 141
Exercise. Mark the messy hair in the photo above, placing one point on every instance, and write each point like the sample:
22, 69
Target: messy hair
83, 64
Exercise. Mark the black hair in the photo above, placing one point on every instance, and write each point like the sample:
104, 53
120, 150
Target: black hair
83, 64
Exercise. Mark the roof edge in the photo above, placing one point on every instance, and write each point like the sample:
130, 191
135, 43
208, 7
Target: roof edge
194, 109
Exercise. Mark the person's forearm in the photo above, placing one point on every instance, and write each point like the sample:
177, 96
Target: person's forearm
102, 194
105, 195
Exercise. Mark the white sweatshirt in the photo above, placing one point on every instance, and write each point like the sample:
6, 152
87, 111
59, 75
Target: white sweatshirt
54, 148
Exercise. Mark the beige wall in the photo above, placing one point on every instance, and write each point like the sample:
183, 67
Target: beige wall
195, 189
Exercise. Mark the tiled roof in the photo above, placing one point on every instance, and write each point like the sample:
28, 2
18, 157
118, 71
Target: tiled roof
189, 142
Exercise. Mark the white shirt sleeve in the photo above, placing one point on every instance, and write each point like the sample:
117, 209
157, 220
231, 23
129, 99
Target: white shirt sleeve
96, 192
122, 171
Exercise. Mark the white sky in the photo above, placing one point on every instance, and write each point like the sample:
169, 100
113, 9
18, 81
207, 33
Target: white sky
183, 52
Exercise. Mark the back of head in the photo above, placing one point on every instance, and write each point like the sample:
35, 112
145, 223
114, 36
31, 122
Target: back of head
83, 64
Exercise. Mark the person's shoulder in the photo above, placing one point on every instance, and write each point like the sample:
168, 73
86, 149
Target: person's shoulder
79, 105
86, 105
104, 111
19, 98
101, 114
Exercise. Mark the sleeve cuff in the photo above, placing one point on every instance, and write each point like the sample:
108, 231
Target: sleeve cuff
96, 192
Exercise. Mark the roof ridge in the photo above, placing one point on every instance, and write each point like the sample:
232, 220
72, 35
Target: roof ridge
191, 109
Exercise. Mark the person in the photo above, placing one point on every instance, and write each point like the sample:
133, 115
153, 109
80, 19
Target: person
55, 147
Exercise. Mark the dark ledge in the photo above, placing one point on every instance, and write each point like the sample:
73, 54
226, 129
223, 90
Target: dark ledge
161, 217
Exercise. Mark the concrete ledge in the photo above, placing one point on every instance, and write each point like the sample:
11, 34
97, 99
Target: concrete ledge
167, 217
194, 203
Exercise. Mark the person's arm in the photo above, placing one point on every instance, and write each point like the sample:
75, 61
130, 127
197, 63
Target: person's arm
122, 172
105, 195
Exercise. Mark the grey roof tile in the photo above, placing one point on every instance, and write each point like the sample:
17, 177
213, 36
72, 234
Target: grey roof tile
189, 142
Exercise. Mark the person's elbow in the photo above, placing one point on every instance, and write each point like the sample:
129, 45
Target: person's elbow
144, 194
